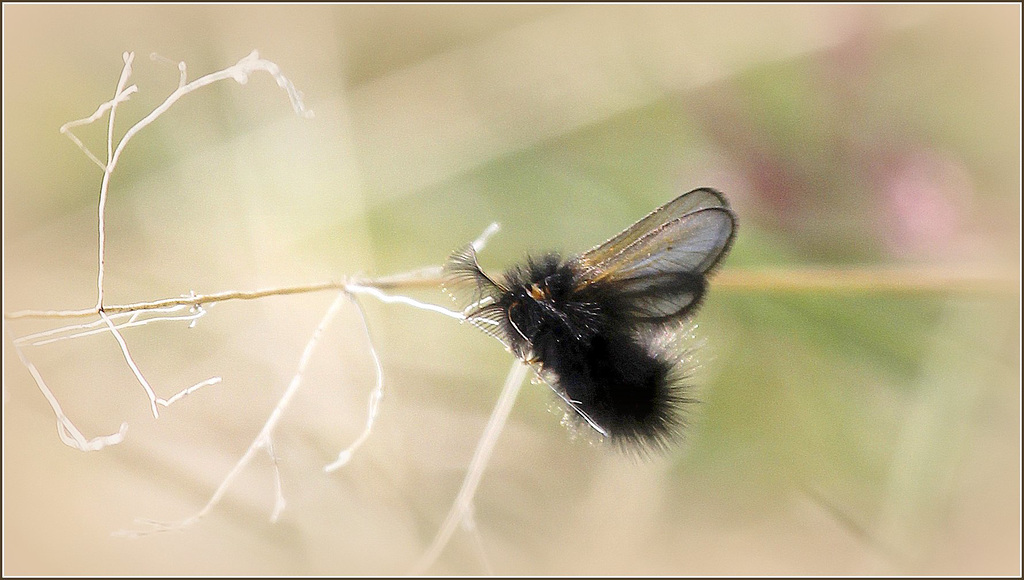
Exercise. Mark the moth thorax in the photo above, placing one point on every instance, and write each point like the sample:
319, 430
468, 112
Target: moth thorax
537, 291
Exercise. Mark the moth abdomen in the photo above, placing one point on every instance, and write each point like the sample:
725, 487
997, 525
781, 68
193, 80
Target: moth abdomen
586, 340
632, 394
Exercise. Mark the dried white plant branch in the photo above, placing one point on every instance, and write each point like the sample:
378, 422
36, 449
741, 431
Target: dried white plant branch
261, 442
390, 299
188, 391
135, 318
239, 72
192, 299
65, 129
463, 503
154, 401
469, 525
376, 396
264, 439
66, 430
114, 319
131, 363
481, 241
279, 500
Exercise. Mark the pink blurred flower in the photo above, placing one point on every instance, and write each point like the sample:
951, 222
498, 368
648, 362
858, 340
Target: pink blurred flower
927, 196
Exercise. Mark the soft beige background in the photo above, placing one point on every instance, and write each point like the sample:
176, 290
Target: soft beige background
838, 434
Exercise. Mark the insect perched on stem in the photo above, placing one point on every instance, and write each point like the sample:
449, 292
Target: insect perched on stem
600, 328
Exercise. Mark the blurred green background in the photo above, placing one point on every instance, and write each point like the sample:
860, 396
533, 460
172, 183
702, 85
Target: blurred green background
849, 433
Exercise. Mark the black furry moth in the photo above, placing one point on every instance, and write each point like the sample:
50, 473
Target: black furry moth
600, 328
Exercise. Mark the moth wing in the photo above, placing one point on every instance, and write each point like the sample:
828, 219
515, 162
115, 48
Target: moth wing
660, 274
686, 203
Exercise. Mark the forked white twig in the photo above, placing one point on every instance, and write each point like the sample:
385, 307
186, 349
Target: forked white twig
66, 430
89, 328
463, 503
376, 396
262, 441
131, 363
154, 401
469, 525
65, 129
461, 510
108, 171
239, 72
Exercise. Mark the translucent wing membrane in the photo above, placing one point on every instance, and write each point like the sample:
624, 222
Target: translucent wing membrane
660, 272
691, 244
658, 297
698, 199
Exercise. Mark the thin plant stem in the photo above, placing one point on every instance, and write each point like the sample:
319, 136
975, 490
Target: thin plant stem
463, 504
838, 280
263, 440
